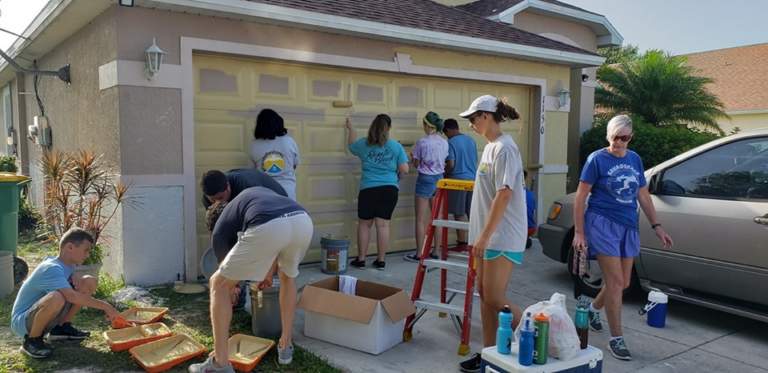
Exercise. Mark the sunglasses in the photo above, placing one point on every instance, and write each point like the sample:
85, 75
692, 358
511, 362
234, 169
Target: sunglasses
624, 138
472, 118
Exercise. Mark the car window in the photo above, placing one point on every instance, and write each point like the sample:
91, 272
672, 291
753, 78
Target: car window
738, 170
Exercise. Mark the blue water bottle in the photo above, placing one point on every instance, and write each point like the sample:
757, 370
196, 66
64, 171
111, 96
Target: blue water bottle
504, 333
525, 354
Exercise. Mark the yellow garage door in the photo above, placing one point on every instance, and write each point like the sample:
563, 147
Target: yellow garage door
230, 92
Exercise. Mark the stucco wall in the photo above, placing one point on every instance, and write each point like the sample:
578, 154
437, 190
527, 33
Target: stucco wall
80, 115
558, 29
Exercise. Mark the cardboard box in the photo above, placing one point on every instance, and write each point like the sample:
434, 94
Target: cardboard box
371, 321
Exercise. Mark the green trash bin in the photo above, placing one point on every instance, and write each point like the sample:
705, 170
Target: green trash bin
10, 190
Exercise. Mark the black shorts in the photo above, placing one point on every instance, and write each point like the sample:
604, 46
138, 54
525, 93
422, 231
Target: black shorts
459, 202
377, 202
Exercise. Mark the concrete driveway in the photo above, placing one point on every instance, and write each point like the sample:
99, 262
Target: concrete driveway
696, 339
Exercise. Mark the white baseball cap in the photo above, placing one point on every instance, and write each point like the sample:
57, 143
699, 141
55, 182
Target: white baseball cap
483, 103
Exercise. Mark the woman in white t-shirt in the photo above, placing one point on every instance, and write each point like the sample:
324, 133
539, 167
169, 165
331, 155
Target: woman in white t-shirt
498, 222
274, 152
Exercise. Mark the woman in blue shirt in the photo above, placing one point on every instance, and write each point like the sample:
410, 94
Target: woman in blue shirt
383, 161
609, 228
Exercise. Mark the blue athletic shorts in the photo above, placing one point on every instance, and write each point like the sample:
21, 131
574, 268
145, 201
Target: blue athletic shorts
514, 257
605, 237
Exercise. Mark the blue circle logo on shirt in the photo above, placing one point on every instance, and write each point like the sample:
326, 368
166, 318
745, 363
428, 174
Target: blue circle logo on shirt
623, 183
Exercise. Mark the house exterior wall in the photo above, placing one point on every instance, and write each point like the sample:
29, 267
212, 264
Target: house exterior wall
559, 29
744, 121
80, 115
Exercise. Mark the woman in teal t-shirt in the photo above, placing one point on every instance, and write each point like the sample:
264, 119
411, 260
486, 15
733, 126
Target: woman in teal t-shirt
383, 161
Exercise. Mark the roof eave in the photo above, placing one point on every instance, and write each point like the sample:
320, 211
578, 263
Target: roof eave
607, 34
58, 20
248, 10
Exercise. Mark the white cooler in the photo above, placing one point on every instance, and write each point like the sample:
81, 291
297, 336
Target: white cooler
589, 360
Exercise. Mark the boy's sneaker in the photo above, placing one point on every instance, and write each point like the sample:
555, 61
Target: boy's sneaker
357, 263
594, 321
65, 332
36, 347
285, 355
379, 264
619, 349
471, 365
209, 366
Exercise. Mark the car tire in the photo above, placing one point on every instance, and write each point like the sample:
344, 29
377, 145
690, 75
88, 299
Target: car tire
591, 283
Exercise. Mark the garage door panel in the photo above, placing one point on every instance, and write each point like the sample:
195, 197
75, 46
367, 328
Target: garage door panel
325, 141
236, 89
225, 137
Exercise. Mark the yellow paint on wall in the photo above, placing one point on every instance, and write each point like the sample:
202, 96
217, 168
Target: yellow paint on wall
745, 122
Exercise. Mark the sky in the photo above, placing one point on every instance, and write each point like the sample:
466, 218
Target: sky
676, 26
684, 26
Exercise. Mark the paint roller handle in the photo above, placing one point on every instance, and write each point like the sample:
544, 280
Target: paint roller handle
348, 123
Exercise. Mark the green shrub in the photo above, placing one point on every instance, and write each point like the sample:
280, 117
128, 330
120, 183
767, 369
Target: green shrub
29, 217
653, 144
8, 164
96, 256
108, 286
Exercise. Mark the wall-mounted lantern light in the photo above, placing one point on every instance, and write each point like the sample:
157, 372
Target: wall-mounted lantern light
563, 97
154, 60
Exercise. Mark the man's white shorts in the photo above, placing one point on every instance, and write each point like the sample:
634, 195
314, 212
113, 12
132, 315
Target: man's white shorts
286, 238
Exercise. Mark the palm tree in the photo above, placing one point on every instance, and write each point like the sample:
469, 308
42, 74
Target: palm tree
661, 89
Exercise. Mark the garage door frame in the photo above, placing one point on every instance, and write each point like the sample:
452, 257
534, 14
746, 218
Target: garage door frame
401, 64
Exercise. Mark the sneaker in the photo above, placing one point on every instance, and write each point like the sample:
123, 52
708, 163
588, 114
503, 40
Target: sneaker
619, 349
285, 355
379, 264
208, 366
594, 321
414, 258
357, 263
471, 365
65, 332
36, 347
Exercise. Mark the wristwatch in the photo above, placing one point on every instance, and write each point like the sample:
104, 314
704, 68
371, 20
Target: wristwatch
653, 226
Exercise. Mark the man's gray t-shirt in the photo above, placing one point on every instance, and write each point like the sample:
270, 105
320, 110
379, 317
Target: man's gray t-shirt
240, 179
252, 207
500, 168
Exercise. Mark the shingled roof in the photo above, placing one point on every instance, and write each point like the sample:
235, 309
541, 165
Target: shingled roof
487, 8
426, 15
740, 75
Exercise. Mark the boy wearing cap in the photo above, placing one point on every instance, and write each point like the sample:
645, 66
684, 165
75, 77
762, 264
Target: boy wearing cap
462, 165
428, 156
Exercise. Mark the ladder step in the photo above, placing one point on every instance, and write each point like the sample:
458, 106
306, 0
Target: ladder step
445, 264
440, 307
463, 225
462, 292
458, 256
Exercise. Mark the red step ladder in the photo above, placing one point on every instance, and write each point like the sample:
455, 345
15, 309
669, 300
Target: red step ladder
461, 315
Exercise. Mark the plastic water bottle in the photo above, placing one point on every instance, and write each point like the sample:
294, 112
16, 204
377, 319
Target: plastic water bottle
581, 322
541, 349
504, 332
525, 354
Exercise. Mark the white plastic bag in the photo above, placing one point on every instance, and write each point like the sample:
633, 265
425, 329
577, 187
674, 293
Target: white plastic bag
563, 341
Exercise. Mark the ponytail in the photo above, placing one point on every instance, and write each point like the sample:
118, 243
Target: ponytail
504, 112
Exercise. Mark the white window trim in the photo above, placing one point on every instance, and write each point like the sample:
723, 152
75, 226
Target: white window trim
400, 64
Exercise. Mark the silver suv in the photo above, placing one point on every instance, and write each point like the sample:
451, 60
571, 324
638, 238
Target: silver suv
713, 201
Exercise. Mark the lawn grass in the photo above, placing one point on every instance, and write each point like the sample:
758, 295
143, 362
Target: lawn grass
188, 314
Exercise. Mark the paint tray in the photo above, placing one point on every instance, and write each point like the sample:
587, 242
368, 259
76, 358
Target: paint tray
144, 315
166, 353
245, 351
123, 339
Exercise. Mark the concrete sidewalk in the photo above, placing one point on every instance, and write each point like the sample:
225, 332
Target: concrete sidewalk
696, 339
